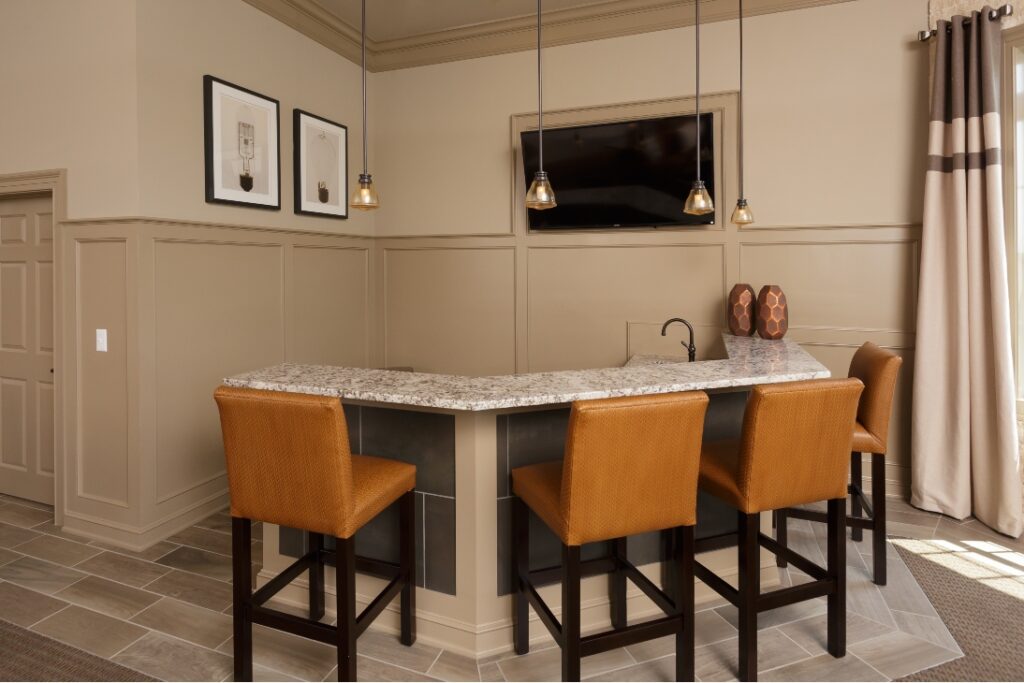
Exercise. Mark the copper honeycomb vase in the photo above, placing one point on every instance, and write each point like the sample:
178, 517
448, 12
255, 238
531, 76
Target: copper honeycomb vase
741, 310
772, 313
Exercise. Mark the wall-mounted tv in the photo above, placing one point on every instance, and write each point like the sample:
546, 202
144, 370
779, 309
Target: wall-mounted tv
633, 174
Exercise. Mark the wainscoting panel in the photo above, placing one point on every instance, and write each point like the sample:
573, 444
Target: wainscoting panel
450, 310
219, 310
330, 308
579, 298
103, 466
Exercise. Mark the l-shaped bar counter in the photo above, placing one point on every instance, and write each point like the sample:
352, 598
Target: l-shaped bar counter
465, 434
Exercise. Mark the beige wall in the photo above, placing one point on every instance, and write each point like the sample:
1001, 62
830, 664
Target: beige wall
836, 105
70, 99
191, 291
179, 42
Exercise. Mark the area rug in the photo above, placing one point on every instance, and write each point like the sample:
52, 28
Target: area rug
981, 605
29, 656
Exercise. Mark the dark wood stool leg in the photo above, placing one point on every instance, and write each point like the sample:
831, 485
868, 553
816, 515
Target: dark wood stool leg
749, 589
407, 539
856, 490
781, 534
685, 638
837, 572
520, 572
878, 543
346, 587
241, 576
570, 612
617, 585
317, 595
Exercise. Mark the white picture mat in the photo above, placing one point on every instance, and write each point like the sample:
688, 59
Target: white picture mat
337, 177
266, 148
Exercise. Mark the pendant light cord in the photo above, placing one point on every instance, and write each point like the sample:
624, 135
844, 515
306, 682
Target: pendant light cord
740, 135
366, 165
697, 5
540, 93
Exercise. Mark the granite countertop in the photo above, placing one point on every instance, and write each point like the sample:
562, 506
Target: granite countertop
750, 361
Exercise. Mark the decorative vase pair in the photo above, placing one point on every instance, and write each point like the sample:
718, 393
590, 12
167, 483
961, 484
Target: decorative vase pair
768, 313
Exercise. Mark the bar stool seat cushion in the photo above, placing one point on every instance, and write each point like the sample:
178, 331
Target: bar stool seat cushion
540, 487
866, 442
377, 483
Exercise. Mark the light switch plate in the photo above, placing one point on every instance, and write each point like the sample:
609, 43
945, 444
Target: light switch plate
101, 340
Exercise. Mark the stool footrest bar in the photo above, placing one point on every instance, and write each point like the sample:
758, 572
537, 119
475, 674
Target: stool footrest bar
547, 617
276, 584
798, 561
300, 626
631, 635
658, 596
716, 584
788, 596
550, 575
378, 604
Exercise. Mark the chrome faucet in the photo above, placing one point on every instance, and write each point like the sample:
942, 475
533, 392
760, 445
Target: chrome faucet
691, 350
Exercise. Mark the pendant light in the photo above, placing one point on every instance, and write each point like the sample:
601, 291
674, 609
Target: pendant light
741, 215
540, 196
699, 201
365, 198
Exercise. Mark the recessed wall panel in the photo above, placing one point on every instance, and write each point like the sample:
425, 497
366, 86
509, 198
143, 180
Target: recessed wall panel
330, 307
101, 453
581, 299
219, 310
451, 310
865, 285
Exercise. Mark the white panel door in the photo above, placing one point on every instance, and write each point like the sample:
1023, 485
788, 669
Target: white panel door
26, 347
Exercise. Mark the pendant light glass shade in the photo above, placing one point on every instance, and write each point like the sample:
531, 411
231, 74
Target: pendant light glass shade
365, 197
742, 215
699, 201
540, 196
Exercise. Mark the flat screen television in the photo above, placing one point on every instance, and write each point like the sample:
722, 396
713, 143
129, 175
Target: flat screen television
633, 174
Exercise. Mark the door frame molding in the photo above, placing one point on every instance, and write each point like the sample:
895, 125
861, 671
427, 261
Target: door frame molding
53, 181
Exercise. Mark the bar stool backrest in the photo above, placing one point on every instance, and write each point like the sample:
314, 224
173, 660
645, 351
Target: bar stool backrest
631, 465
796, 442
288, 459
877, 368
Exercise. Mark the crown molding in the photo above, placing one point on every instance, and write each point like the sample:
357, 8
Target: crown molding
561, 27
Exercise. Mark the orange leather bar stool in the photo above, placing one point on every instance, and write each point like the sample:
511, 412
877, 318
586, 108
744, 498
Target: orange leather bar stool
630, 466
289, 463
877, 369
792, 451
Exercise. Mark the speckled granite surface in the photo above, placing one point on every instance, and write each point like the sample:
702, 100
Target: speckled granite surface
751, 361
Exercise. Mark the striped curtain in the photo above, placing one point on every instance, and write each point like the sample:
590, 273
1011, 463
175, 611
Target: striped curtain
965, 457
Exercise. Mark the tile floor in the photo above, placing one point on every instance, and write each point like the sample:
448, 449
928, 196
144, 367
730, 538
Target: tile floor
165, 612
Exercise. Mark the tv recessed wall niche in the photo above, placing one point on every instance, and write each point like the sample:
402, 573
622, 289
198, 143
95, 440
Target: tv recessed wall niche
629, 174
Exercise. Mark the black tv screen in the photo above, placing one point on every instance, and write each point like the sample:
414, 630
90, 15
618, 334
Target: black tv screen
634, 174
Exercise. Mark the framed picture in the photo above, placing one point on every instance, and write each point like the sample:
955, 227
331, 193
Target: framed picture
243, 146
321, 166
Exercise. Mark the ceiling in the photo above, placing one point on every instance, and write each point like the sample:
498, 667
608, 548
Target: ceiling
395, 19
408, 33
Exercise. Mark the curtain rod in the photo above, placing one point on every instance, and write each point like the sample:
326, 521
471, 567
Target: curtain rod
1004, 11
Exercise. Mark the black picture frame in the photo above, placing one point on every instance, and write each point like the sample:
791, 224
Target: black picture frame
302, 205
217, 192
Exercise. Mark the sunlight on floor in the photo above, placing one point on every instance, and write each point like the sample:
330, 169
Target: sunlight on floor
986, 562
